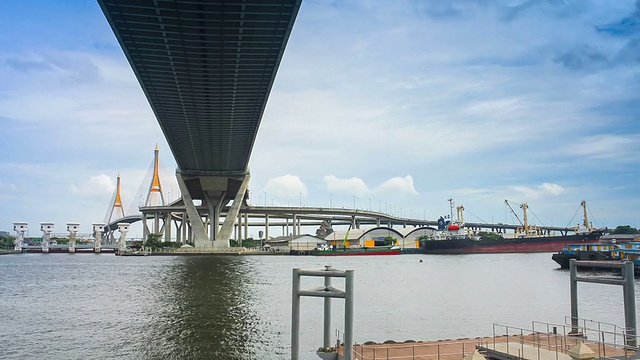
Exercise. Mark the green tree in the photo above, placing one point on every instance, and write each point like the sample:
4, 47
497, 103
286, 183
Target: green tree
388, 241
625, 229
489, 236
60, 241
6, 241
248, 243
153, 241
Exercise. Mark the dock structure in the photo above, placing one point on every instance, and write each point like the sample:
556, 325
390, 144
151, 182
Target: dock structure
542, 342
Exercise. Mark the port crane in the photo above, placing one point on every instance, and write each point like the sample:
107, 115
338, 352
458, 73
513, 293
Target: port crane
525, 228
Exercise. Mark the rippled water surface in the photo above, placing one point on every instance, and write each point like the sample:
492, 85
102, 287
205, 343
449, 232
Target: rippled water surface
81, 306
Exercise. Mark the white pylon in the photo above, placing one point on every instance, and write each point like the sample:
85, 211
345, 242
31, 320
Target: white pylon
20, 228
46, 229
72, 228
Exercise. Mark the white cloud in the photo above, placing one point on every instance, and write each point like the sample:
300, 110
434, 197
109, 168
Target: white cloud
286, 186
354, 185
398, 186
610, 147
544, 189
97, 186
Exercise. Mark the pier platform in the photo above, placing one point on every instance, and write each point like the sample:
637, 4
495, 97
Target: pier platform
531, 346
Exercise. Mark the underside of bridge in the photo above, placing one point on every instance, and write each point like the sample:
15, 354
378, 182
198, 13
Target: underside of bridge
207, 68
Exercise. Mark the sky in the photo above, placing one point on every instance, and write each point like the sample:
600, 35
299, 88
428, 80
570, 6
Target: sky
395, 106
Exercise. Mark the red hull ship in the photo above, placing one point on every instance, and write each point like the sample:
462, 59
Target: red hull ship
454, 241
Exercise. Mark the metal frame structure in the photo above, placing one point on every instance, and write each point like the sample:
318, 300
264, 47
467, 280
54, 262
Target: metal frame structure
628, 285
327, 292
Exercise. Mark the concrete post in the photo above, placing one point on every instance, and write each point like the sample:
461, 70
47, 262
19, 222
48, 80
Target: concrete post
266, 227
326, 343
20, 228
295, 315
348, 316
97, 235
46, 229
629, 304
72, 228
581, 352
475, 355
573, 276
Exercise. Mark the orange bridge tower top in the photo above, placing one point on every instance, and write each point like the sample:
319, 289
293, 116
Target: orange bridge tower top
155, 188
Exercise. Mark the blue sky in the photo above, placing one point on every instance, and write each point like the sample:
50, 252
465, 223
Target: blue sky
398, 105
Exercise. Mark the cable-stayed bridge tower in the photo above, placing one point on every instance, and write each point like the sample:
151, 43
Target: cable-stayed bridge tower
155, 196
116, 207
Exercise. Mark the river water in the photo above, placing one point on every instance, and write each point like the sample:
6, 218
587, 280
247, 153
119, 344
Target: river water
88, 306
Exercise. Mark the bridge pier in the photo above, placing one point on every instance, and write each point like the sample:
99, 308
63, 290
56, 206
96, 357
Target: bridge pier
224, 235
215, 193
167, 226
266, 227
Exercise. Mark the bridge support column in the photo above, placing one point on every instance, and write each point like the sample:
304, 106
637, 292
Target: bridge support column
246, 225
266, 227
46, 228
197, 231
225, 232
145, 228
214, 191
72, 228
156, 224
293, 225
97, 235
167, 226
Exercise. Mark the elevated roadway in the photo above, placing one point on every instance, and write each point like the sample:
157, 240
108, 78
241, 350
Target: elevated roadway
206, 68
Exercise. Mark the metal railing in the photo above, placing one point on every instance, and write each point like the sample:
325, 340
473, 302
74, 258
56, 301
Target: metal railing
443, 350
559, 339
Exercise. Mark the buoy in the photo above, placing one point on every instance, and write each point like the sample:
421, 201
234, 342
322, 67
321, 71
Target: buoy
420, 260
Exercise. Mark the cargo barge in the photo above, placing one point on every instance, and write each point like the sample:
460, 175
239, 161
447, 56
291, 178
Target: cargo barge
358, 251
